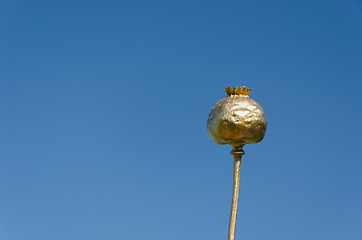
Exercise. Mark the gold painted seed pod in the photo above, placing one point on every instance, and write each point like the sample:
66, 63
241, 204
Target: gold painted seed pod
237, 118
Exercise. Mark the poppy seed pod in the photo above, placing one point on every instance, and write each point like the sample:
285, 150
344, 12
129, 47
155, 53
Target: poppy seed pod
237, 118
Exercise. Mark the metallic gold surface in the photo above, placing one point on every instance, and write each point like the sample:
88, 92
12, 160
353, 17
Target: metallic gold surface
236, 120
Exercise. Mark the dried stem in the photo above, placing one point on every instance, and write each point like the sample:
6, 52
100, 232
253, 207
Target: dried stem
237, 152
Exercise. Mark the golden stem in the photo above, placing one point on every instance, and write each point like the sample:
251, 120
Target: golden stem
237, 152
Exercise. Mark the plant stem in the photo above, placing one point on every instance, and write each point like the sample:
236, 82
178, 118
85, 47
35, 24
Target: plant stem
237, 152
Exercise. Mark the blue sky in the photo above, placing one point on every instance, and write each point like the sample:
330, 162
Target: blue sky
103, 119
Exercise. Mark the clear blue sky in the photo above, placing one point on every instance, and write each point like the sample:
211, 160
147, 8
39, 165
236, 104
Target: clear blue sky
103, 109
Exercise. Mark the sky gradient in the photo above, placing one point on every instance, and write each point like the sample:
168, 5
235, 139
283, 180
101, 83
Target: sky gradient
103, 109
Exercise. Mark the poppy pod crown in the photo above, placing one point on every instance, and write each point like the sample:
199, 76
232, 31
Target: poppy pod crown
237, 91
